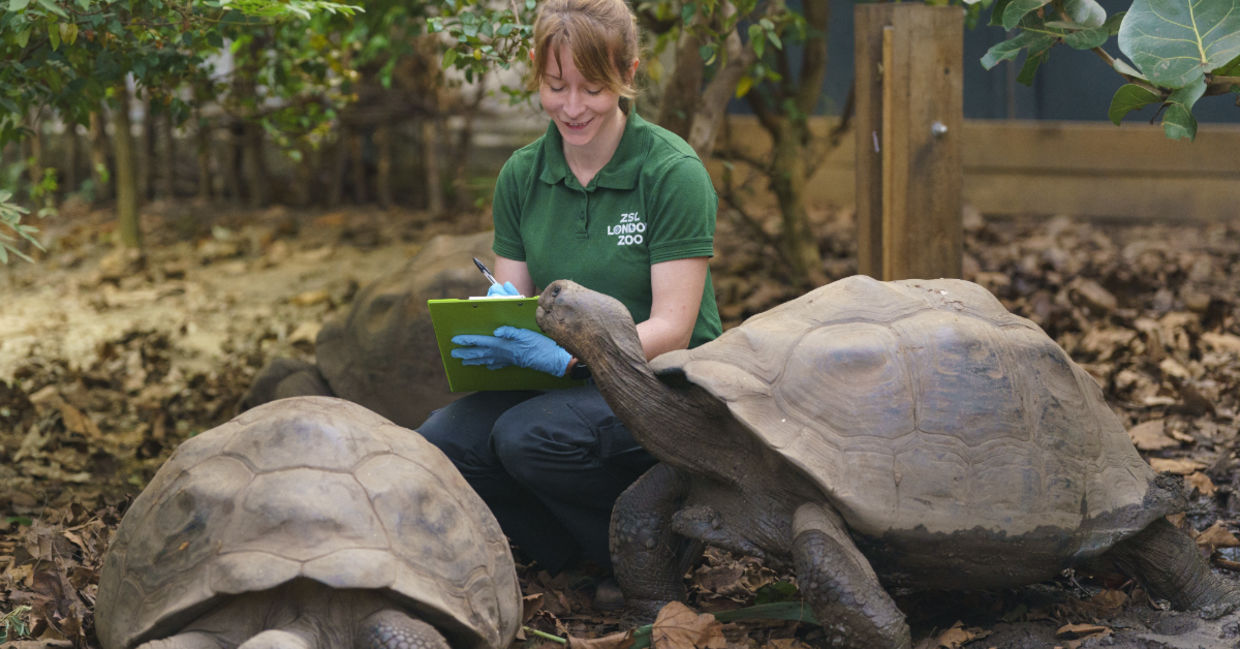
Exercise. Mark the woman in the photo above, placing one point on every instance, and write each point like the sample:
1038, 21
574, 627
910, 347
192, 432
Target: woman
614, 203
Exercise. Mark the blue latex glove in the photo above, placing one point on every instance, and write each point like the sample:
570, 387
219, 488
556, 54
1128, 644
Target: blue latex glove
502, 289
512, 346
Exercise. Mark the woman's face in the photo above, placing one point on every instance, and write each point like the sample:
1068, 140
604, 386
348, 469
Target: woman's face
581, 109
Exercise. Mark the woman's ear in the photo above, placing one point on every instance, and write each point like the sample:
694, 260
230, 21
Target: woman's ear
633, 70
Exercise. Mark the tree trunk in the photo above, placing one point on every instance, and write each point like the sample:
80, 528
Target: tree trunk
73, 155
126, 172
100, 172
788, 180
383, 171
256, 176
202, 142
357, 153
340, 162
684, 86
168, 153
430, 163
234, 162
790, 150
144, 160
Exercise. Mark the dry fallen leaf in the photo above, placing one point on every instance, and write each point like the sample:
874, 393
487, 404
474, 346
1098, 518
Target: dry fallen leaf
1151, 435
957, 636
1200, 482
617, 640
680, 627
1074, 635
1217, 536
1179, 465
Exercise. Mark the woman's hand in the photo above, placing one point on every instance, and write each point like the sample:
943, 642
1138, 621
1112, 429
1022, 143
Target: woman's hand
512, 346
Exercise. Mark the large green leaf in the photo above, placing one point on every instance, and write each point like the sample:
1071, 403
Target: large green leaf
1086, 13
1175, 42
1012, 47
1178, 121
1016, 9
1128, 98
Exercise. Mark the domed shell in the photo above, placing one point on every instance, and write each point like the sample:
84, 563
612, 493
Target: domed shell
313, 487
926, 405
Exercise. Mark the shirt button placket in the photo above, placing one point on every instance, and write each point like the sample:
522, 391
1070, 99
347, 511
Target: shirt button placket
583, 216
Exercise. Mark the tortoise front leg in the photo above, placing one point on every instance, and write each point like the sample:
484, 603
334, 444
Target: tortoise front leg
392, 629
843, 591
1168, 564
647, 556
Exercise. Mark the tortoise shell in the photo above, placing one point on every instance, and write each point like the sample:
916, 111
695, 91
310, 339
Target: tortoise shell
308, 487
927, 406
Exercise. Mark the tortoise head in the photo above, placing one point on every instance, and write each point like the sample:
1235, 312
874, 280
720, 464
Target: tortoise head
589, 324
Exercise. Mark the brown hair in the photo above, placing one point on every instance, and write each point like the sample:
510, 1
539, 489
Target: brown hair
601, 34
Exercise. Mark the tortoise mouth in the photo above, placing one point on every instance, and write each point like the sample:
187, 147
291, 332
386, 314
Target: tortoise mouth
546, 302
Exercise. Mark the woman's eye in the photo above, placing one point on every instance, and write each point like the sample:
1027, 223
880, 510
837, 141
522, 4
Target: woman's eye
554, 88
593, 93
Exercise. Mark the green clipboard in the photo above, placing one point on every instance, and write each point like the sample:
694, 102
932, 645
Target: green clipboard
452, 317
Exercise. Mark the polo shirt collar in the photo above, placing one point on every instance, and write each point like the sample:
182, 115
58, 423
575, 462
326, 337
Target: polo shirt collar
621, 172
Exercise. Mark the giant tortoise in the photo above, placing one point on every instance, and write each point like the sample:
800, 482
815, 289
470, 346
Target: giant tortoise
308, 523
381, 351
875, 435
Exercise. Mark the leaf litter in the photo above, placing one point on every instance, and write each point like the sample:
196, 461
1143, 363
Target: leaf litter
144, 352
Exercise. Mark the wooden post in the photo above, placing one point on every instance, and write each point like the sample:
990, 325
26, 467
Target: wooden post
909, 121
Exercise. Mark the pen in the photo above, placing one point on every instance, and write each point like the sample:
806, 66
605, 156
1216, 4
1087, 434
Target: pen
486, 272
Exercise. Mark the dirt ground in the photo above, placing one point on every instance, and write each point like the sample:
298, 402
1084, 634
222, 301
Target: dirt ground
108, 361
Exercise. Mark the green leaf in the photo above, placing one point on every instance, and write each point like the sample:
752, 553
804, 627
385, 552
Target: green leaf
1175, 42
1230, 69
1012, 47
18, 5
1121, 66
1128, 98
996, 14
757, 39
1086, 39
743, 86
1016, 9
1032, 63
1087, 13
1178, 121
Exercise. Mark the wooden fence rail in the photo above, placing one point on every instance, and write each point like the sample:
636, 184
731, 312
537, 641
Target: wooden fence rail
1086, 169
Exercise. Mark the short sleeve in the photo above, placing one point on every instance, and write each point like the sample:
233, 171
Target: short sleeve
683, 208
506, 212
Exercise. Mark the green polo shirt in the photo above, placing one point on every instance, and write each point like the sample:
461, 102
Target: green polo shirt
652, 202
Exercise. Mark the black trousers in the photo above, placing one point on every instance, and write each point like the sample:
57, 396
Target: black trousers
550, 465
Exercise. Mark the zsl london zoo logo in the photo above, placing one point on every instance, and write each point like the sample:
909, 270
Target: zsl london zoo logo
629, 230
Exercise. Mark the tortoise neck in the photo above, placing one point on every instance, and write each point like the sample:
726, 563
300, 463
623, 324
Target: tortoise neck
663, 419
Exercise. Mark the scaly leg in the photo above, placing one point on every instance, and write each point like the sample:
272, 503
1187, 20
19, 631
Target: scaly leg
646, 554
853, 608
1167, 562
392, 629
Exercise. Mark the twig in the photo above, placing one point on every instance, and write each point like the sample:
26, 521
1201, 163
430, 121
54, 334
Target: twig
544, 635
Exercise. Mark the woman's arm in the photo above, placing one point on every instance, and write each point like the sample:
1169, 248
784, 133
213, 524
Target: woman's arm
510, 270
677, 294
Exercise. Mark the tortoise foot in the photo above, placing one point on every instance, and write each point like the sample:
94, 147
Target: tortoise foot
391, 629
852, 607
1167, 562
